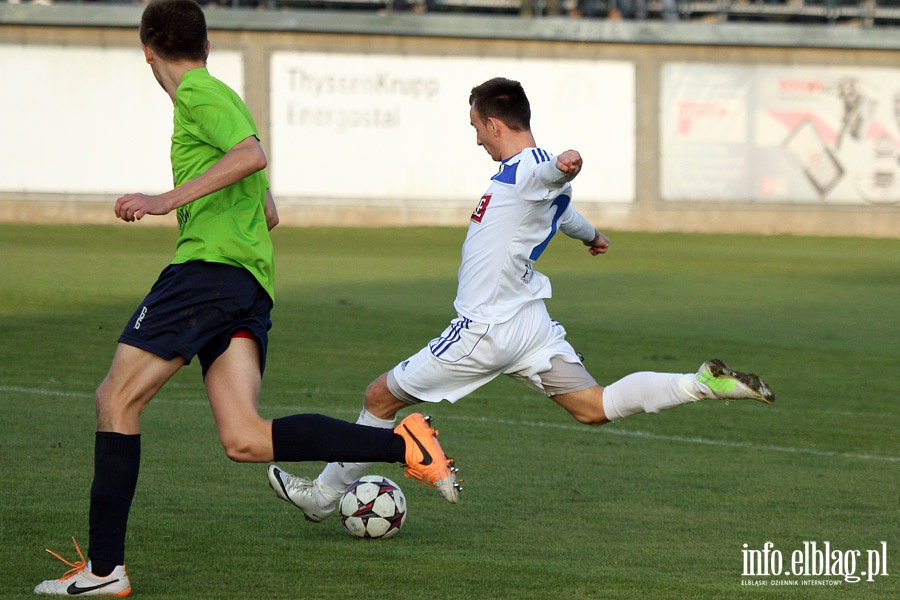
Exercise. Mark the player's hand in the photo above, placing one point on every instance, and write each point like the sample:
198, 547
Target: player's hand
599, 245
569, 162
132, 207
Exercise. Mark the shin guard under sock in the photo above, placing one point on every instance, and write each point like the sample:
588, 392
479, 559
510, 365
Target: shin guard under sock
117, 460
647, 392
311, 437
336, 477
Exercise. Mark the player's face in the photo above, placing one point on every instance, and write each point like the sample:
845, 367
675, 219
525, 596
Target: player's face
483, 135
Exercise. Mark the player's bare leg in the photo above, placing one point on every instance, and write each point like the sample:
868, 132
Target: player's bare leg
233, 385
133, 379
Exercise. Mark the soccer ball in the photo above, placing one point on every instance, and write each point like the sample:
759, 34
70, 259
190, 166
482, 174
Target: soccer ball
373, 507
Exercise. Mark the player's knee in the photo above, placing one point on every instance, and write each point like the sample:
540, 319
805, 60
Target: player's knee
247, 446
590, 418
105, 397
585, 406
590, 413
379, 401
242, 450
237, 453
375, 391
115, 410
101, 403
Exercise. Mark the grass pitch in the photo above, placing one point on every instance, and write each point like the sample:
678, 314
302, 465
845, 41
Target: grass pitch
653, 507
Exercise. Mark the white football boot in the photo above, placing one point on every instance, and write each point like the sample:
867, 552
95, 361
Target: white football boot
81, 581
303, 493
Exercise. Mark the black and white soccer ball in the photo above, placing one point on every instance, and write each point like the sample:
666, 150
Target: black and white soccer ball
373, 507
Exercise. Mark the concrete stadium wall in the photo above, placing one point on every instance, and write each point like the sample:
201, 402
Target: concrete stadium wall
646, 55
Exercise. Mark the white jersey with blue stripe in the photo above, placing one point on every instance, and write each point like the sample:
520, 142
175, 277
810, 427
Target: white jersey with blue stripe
511, 226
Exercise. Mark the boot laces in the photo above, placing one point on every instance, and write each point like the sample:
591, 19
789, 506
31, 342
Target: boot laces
77, 567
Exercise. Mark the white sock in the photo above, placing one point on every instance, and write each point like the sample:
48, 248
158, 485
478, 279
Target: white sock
648, 392
335, 478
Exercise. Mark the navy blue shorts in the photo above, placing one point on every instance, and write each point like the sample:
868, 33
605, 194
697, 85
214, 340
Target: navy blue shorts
195, 308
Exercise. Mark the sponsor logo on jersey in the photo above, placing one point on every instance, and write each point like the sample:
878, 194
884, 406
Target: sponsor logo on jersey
478, 213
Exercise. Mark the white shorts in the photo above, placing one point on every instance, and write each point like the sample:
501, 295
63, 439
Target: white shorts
468, 355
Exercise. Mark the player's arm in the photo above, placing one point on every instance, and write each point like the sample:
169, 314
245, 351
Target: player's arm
598, 245
245, 158
574, 225
566, 167
555, 174
271, 211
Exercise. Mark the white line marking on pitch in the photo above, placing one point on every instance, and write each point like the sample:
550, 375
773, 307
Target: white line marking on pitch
607, 430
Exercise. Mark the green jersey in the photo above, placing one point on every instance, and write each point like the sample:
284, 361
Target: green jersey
228, 226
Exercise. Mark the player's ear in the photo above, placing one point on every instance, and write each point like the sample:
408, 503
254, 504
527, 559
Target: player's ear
208, 45
148, 53
493, 126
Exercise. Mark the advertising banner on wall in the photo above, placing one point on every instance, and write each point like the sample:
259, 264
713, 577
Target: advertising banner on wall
389, 127
89, 120
788, 134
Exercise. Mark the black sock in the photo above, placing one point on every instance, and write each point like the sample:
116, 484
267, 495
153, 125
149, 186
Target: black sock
117, 460
317, 437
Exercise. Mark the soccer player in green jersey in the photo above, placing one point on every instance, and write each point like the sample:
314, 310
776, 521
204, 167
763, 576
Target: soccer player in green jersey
214, 302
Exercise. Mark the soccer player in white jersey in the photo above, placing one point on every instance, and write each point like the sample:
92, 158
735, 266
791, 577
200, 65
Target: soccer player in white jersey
502, 326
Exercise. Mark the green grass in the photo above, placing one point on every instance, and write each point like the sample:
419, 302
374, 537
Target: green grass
654, 507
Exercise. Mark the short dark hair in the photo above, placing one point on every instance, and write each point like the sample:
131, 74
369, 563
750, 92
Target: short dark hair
175, 29
503, 99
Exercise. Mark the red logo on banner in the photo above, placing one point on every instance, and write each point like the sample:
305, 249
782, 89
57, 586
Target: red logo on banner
479, 211
801, 86
690, 111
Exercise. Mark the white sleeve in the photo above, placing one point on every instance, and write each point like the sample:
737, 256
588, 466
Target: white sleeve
539, 179
576, 226
550, 176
